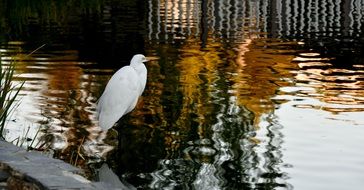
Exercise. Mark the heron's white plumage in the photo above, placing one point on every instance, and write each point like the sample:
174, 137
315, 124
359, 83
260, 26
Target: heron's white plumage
122, 92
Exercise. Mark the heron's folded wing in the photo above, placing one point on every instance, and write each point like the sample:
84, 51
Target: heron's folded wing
120, 97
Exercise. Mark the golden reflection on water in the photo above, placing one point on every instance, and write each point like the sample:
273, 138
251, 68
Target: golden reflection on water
198, 73
261, 73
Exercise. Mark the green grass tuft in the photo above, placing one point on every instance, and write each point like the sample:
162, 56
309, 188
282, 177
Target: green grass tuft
8, 93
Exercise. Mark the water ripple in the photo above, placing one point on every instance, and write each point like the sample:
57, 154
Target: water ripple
337, 89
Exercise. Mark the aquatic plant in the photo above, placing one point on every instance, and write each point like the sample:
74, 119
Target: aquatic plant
8, 93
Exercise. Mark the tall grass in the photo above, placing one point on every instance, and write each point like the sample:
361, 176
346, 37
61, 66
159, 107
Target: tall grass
8, 93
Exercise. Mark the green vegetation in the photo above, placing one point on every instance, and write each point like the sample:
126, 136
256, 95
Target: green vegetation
8, 93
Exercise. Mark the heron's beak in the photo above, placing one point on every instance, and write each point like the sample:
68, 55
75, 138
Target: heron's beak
151, 59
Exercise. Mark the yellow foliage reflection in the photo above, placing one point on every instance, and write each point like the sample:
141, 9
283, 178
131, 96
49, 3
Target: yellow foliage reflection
260, 73
198, 72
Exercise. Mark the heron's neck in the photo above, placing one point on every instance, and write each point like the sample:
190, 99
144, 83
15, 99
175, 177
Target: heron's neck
139, 68
142, 72
134, 64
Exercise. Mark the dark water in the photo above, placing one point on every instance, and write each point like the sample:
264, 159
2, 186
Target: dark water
240, 95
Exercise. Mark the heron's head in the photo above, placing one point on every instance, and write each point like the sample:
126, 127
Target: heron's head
138, 59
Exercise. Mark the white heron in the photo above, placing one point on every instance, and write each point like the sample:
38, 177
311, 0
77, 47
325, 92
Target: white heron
122, 92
